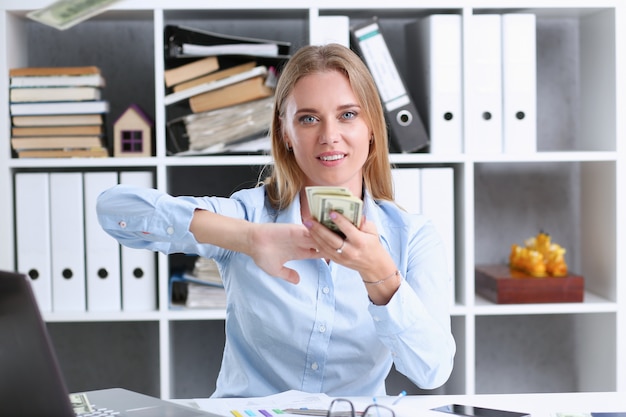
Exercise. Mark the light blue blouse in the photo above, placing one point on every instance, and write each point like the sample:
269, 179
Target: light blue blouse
323, 334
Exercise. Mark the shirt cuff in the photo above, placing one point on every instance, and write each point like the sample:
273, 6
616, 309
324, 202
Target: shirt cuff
400, 313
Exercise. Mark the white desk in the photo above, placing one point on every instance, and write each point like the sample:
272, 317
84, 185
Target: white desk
538, 405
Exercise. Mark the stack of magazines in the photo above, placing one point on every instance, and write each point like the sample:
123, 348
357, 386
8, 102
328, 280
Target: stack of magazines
201, 288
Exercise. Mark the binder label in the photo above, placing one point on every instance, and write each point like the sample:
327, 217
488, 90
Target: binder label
382, 67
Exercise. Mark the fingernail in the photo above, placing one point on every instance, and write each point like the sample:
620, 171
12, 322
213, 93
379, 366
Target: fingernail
333, 215
308, 224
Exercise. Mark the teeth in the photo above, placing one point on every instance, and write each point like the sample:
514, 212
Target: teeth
331, 157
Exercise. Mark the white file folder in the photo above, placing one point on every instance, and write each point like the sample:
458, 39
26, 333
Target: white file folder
407, 189
139, 280
32, 231
434, 56
67, 241
330, 29
483, 114
104, 292
438, 204
519, 83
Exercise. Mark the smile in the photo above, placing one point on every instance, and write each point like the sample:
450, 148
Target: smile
332, 157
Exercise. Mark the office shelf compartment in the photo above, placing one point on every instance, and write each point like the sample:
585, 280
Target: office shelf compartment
576, 59
286, 25
560, 198
196, 356
120, 43
108, 354
545, 353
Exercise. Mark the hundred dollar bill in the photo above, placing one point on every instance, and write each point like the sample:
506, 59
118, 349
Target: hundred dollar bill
64, 14
323, 200
80, 403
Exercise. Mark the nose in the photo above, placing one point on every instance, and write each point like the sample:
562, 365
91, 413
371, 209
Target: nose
329, 132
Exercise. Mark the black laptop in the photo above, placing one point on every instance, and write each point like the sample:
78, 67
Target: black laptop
31, 382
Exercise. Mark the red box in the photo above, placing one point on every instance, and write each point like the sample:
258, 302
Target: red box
503, 285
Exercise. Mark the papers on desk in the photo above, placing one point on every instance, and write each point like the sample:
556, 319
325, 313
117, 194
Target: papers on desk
537, 405
272, 405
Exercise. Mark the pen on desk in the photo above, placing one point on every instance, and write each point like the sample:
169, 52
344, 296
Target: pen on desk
399, 397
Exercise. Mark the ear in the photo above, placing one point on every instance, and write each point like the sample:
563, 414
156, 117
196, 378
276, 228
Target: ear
287, 142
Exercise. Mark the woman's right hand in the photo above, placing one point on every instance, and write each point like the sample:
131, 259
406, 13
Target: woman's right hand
270, 245
273, 245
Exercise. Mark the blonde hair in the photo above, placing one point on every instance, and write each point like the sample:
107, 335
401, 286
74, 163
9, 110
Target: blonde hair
286, 178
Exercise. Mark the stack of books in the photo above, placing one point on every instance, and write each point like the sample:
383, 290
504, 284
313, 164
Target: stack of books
220, 81
57, 112
207, 88
200, 288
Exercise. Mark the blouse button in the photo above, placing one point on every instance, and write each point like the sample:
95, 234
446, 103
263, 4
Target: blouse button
325, 290
122, 224
170, 230
314, 366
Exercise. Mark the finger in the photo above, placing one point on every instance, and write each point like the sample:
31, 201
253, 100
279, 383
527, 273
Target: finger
368, 227
310, 253
341, 222
288, 275
318, 232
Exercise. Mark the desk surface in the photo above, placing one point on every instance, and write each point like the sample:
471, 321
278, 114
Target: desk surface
538, 405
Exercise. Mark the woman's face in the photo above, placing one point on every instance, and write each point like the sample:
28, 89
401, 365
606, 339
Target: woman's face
324, 125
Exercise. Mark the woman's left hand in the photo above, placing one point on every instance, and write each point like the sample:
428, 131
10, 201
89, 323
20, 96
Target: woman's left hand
361, 250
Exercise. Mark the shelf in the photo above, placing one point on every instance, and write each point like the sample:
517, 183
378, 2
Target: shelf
568, 156
196, 314
225, 160
70, 317
88, 163
592, 303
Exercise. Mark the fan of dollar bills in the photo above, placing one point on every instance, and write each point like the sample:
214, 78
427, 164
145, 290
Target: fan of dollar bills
323, 200
63, 14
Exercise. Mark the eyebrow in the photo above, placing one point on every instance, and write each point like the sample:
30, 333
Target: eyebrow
342, 107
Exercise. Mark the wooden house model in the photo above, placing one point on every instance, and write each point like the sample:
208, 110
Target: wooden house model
132, 133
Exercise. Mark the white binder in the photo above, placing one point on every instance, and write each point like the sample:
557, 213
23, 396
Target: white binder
330, 29
32, 231
407, 189
438, 204
104, 292
434, 55
67, 241
483, 115
139, 280
519, 83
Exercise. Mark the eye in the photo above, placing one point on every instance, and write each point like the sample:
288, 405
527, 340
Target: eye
349, 115
307, 119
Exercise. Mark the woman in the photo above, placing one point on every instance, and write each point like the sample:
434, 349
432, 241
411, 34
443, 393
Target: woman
360, 304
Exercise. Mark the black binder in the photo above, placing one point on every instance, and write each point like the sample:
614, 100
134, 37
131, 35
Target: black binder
407, 131
176, 37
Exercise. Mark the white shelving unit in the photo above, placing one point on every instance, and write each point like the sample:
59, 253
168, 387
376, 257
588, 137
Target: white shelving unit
575, 186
